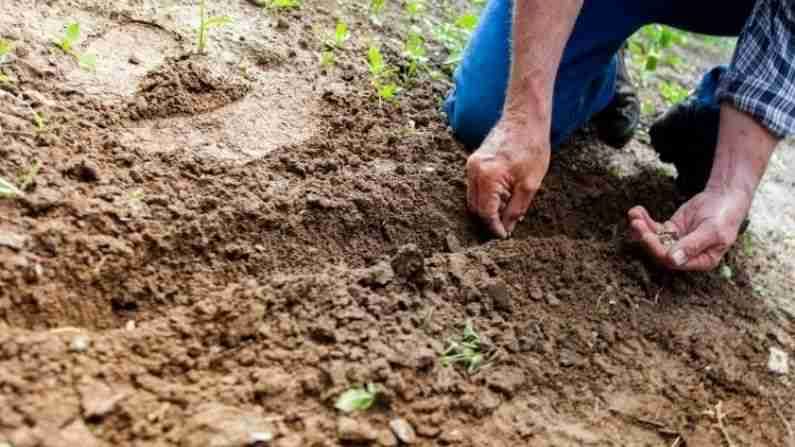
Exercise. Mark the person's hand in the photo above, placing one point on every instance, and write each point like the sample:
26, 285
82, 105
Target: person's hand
504, 175
706, 227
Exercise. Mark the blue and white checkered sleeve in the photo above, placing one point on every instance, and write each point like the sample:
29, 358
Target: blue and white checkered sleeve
761, 79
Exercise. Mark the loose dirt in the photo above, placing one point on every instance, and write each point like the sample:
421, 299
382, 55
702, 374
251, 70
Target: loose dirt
214, 252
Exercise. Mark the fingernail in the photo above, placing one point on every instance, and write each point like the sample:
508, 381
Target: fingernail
679, 257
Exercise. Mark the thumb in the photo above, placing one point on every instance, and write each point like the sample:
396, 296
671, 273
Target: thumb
523, 194
692, 252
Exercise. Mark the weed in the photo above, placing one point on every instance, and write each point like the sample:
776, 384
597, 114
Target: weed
381, 74
327, 59
5, 48
673, 92
357, 399
649, 47
466, 350
27, 179
726, 272
8, 190
39, 122
454, 36
67, 45
279, 4
206, 23
414, 8
377, 6
414, 50
341, 34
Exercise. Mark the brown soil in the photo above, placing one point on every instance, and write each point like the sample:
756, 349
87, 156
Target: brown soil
197, 293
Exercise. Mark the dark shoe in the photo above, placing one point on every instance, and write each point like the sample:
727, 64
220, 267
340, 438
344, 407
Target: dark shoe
687, 135
616, 124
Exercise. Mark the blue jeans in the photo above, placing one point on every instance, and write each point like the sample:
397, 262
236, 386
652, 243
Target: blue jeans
586, 78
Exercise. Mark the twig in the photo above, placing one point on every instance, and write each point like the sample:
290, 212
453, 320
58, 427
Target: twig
720, 416
657, 296
677, 442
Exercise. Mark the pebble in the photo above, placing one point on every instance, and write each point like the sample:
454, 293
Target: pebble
499, 293
351, 430
79, 344
778, 363
130, 326
380, 274
12, 240
552, 300
453, 244
403, 430
385, 438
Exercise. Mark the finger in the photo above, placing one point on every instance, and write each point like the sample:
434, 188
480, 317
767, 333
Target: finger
488, 204
523, 195
640, 213
698, 251
650, 241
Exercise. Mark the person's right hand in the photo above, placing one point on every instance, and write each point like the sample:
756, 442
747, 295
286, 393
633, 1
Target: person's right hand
504, 175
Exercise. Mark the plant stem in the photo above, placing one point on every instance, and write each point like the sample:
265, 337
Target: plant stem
202, 25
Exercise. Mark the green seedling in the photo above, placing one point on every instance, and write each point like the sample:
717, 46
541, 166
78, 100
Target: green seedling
377, 6
8, 190
5, 48
381, 75
454, 36
39, 122
466, 350
279, 4
673, 92
27, 179
357, 399
341, 34
415, 52
651, 46
327, 59
414, 8
67, 45
206, 23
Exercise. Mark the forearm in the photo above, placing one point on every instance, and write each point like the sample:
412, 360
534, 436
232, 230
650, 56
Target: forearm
541, 29
743, 152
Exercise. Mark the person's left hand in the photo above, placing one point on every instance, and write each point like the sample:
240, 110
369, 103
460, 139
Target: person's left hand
706, 227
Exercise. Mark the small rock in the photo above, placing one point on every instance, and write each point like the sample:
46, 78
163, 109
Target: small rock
260, 436
453, 436
408, 262
403, 430
380, 274
12, 240
425, 358
219, 425
778, 363
130, 326
349, 429
79, 343
453, 244
134, 60
499, 292
385, 438
568, 358
86, 171
98, 400
552, 300
536, 294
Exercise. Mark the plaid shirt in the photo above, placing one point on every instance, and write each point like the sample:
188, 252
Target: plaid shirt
761, 78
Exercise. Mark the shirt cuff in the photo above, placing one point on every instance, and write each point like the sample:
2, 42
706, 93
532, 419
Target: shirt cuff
758, 98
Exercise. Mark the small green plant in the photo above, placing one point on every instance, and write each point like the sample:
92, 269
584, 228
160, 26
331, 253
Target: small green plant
67, 44
726, 272
673, 92
466, 350
377, 6
650, 46
39, 122
357, 399
327, 58
5, 48
279, 4
381, 75
206, 23
8, 190
415, 52
29, 176
414, 8
341, 35
455, 35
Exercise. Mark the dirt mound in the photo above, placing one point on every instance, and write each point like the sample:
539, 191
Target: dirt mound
187, 85
174, 298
